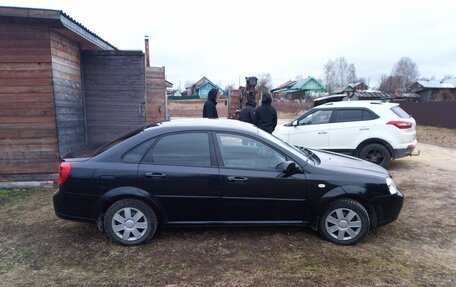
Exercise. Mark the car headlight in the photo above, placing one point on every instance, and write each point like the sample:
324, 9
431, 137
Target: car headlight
391, 186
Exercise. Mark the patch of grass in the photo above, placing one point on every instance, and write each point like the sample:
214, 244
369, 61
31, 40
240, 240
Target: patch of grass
16, 195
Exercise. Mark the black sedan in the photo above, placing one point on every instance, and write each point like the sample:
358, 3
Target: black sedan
222, 172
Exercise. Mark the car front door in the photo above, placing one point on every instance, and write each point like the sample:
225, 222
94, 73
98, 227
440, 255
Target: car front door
181, 172
312, 130
253, 190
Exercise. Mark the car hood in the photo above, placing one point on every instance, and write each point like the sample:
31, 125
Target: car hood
349, 164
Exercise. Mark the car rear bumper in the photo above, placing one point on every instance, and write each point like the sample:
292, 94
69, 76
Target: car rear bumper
74, 206
387, 208
406, 150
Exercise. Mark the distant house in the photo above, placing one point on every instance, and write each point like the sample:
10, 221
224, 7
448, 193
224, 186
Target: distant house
202, 88
350, 88
292, 90
434, 91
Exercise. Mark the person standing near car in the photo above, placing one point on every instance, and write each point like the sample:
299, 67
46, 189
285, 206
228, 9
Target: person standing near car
246, 114
265, 116
209, 109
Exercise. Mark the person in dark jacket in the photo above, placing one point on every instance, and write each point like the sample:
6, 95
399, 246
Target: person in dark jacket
246, 114
209, 109
265, 116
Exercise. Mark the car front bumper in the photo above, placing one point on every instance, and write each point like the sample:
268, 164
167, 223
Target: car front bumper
387, 208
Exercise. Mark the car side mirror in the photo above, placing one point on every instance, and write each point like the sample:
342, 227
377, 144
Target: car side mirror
289, 168
294, 123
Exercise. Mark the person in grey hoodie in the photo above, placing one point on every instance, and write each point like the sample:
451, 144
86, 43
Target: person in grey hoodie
265, 116
246, 114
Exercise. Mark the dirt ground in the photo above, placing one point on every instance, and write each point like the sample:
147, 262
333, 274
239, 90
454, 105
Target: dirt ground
419, 249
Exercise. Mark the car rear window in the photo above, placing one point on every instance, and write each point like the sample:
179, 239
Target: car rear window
400, 112
348, 115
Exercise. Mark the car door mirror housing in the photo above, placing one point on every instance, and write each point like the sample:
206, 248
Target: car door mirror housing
289, 168
294, 123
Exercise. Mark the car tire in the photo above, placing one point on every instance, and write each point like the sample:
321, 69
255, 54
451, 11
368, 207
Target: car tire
130, 222
344, 222
376, 153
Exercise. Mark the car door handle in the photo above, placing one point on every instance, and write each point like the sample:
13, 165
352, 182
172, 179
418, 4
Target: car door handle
364, 129
322, 132
154, 175
237, 179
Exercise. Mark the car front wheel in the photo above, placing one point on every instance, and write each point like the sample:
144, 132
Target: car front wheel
344, 221
130, 222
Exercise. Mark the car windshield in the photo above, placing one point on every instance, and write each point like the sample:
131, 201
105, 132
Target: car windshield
296, 151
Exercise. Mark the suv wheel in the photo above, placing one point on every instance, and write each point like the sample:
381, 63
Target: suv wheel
130, 222
376, 153
344, 222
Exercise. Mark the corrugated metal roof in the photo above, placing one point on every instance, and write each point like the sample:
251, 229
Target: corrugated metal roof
435, 85
62, 18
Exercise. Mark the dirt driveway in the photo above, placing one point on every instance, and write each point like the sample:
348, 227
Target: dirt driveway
419, 249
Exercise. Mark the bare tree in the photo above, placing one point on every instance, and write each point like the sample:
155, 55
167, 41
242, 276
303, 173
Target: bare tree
390, 84
446, 77
407, 71
229, 88
264, 82
338, 73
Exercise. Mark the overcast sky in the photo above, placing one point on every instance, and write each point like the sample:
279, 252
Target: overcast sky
225, 40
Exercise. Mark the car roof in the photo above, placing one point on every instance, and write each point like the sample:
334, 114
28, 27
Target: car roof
357, 104
204, 123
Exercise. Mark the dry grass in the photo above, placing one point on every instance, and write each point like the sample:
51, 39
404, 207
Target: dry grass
418, 249
437, 136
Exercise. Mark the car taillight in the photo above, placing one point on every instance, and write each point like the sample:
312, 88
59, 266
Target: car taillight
64, 172
400, 124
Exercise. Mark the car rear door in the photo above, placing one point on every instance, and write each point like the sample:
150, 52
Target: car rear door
181, 172
350, 126
252, 189
312, 130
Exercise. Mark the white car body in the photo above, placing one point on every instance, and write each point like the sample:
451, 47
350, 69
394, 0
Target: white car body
349, 126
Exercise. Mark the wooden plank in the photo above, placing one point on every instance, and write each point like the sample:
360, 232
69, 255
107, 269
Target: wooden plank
25, 81
25, 66
27, 119
35, 97
25, 74
25, 89
43, 43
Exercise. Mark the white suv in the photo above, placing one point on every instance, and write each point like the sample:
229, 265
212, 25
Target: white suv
371, 130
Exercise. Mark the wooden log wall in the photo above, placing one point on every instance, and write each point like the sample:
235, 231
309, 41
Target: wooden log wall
28, 142
155, 94
114, 90
69, 104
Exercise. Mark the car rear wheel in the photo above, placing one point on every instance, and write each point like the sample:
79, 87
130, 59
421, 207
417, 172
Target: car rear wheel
130, 222
376, 153
344, 222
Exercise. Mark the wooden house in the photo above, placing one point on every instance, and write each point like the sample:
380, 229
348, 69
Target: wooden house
430, 91
63, 88
301, 89
202, 88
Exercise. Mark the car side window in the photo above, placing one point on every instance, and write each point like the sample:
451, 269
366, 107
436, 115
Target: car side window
317, 117
368, 115
348, 115
243, 152
135, 154
186, 149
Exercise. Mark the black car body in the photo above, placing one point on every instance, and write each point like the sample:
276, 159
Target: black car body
223, 172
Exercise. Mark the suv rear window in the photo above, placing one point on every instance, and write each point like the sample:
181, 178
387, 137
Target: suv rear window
400, 112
